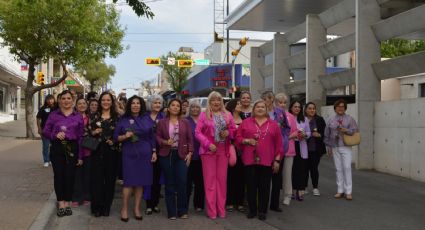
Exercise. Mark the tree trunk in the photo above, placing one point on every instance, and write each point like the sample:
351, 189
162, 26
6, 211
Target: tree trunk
29, 103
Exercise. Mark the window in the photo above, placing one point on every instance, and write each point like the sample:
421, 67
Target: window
422, 90
2, 99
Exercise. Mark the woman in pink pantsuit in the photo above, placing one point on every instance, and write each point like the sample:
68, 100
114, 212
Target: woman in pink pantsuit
214, 131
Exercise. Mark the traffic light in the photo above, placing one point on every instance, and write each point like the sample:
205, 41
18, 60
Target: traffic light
40, 78
185, 63
243, 41
153, 61
216, 38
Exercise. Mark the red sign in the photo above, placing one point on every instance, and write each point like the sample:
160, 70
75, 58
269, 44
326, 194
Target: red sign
221, 83
221, 78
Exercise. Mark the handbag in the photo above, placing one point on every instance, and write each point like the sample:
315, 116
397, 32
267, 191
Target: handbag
232, 155
352, 140
90, 143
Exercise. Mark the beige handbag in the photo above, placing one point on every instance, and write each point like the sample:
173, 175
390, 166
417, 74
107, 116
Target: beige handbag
352, 140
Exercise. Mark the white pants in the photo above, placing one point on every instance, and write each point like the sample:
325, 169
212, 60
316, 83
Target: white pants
287, 176
342, 159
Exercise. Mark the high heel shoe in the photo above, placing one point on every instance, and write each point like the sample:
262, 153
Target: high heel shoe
125, 219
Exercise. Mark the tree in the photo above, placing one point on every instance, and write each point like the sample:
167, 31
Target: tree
72, 32
399, 47
177, 77
140, 8
96, 72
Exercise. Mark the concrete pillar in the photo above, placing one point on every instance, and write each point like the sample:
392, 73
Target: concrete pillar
368, 87
281, 50
315, 64
257, 80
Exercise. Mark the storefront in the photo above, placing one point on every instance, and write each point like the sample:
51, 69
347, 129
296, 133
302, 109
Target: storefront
219, 78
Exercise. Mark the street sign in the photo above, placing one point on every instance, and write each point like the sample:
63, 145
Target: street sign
202, 62
70, 82
171, 61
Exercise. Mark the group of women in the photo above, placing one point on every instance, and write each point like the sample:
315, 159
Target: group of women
220, 154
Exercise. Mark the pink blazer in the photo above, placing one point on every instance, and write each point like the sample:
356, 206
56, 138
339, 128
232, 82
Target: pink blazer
205, 131
185, 144
293, 123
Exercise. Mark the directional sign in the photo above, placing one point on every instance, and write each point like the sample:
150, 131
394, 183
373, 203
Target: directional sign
202, 62
171, 61
70, 82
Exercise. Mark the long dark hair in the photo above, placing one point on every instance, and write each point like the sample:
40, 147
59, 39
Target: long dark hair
76, 103
231, 105
300, 116
310, 103
49, 97
169, 103
128, 105
114, 113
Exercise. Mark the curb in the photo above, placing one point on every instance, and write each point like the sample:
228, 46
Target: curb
42, 220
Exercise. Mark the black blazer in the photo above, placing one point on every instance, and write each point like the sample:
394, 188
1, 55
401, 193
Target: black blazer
321, 125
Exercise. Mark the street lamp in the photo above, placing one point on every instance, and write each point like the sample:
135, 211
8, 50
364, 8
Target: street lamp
235, 54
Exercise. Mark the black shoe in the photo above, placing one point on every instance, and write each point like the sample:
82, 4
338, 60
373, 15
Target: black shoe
106, 212
68, 211
250, 215
125, 219
97, 214
138, 217
262, 216
156, 209
276, 209
61, 212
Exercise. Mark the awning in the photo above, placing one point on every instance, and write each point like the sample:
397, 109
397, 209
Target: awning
274, 15
11, 76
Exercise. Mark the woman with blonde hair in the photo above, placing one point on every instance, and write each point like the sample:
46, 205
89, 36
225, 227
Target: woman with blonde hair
214, 131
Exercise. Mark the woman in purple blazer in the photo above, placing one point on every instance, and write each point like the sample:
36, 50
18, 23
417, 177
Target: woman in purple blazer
174, 137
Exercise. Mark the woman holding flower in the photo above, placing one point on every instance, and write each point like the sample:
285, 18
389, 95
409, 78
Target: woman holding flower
64, 128
299, 168
316, 147
260, 140
279, 115
138, 153
105, 157
174, 137
214, 131
339, 125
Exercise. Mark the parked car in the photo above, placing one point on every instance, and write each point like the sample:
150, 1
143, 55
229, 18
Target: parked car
203, 101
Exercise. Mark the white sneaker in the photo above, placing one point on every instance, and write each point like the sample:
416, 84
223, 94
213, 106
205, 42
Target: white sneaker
46, 165
286, 201
316, 192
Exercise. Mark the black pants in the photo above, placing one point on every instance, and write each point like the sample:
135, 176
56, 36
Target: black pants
277, 185
236, 184
258, 180
313, 168
82, 181
195, 180
64, 161
104, 165
155, 187
299, 170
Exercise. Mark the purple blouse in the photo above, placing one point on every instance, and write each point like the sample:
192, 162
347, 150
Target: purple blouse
72, 125
333, 138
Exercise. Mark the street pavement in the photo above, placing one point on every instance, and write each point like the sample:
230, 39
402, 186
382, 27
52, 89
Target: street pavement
25, 184
381, 201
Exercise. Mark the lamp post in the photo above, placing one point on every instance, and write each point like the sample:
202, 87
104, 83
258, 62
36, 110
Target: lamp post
235, 53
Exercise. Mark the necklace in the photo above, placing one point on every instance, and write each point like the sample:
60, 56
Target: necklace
260, 135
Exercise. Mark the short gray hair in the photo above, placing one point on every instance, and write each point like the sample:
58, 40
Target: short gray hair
280, 96
152, 99
192, 103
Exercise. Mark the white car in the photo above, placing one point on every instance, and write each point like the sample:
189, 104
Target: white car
203, 101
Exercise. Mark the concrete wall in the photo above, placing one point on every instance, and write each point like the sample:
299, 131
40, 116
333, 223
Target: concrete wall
399, 138
390, 89
216, 52
409, 86
328, 111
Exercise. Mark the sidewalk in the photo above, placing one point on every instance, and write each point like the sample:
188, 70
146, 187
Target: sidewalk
14, 129
380, 202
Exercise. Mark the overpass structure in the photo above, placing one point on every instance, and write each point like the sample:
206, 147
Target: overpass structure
391, 131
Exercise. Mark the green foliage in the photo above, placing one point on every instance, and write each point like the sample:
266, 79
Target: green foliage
140, 8
177, 77
68, 30
96, 72
399, 47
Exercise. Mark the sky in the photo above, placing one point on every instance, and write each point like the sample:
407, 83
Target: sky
176, 23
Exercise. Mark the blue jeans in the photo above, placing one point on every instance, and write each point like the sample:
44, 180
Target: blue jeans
175, 171
45, 149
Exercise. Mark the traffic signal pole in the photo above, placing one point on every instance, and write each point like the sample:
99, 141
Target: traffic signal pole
235, 53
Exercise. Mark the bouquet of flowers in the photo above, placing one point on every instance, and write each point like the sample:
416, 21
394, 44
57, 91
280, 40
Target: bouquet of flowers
256, 156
